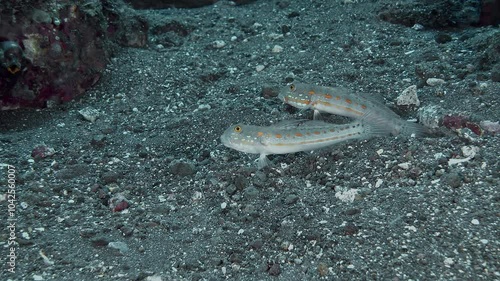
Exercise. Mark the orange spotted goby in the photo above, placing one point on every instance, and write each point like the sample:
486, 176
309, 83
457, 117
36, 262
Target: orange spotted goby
341, 101
295, 136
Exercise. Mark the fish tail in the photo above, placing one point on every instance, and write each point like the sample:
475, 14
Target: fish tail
407, 129
372, 129
377, 125
391, 124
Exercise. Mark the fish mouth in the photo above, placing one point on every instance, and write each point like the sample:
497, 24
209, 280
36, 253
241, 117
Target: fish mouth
225, 141
283, 97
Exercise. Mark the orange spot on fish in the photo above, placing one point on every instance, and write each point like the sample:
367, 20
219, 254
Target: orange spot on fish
299, 135
278, 136
363, 106
348, 101
260, 134
327, 96
311, 93
317, 133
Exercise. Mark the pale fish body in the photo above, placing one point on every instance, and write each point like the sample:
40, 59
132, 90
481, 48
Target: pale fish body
294, 136
341, 101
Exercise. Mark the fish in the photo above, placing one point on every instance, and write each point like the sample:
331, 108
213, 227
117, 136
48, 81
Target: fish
344, 102
293, 136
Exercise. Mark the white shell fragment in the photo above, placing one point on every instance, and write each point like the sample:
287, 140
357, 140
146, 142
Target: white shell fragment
468, 151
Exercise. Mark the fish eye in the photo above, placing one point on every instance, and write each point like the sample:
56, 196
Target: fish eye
292, 87
238, 129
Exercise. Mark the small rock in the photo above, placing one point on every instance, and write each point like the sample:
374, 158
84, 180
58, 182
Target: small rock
322, 269
269, 92
40, 16
251, 192
182, 168
259, 67
98, 141
489, 126
277, 49
418, 27
218, 44
89, 114
274, 270
231, 189
430, 116
111, 177
240, 182
120, 246
352, 212
291, 199
118, 203
408, 97
404, 166
434, 82
442, 38
350, 229
100, 241
42, 151
256, 244
88, 232
453, 179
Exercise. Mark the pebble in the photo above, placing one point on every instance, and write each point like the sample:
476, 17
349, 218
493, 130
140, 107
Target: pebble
435, 82
42, 151
448, 261
277, 49
219, 44
408, 97
182, 168
404, 166
453, 179
120, 246
89, 113
418, 27
274, 270
429, 116
291, 199
40, 16
489, 126
100, 241
251, 192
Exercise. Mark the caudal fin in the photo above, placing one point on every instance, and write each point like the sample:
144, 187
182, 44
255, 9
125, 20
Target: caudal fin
408, 129
386, 122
